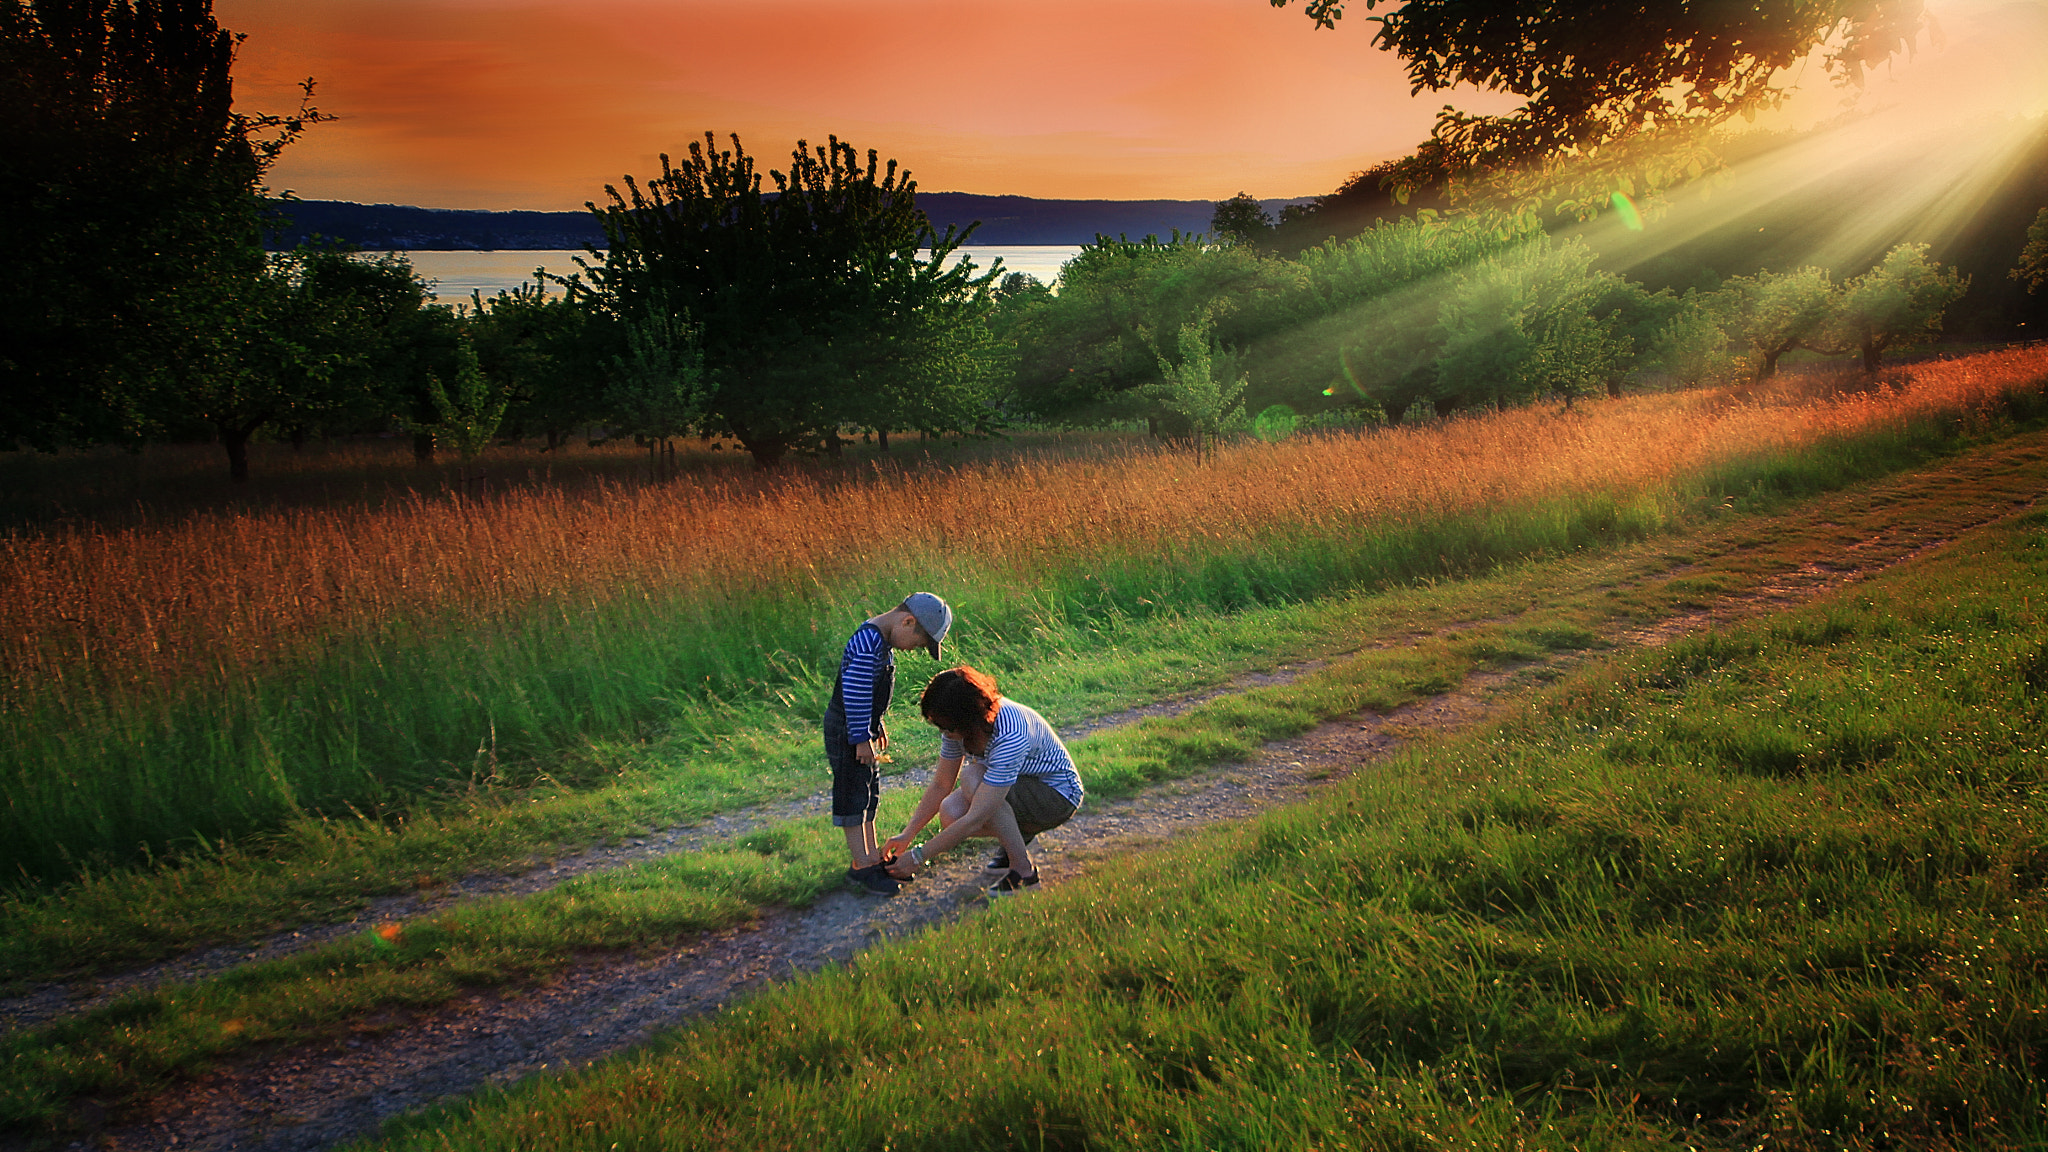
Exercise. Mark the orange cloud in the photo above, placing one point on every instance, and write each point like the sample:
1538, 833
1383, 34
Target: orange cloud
463, 103
504, 104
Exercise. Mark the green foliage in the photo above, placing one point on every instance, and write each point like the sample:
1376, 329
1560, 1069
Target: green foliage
1242, 220
658, 388
2032, 268
1087, 353
1198, 387
1779, 311
1896, 304
1521, 325
813, 306
549, 353
467, 411
1692, 347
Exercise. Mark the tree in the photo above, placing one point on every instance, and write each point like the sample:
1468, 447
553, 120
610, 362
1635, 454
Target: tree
132, 204
657, 389
295, 345
1896, 304
1692, 345
1087, 352
2032, 269
467, 411
549, 353
1193, 390
810, 302
1243, 220
1599, 76
1522, 324
1779, 311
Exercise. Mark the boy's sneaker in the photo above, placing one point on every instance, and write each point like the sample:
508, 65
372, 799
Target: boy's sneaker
1012, 884
883, 868
873, 879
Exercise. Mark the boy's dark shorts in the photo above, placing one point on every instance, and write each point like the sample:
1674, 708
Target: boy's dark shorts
856, 787
1037, 806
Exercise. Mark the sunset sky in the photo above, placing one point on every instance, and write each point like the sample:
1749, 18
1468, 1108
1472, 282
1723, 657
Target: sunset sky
538, 103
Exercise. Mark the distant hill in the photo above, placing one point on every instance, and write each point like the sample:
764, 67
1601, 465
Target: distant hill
1004, 220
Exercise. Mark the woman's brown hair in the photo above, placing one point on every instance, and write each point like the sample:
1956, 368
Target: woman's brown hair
962, 700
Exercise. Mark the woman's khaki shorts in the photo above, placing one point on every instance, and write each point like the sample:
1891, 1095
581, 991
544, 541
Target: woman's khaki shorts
1037, 807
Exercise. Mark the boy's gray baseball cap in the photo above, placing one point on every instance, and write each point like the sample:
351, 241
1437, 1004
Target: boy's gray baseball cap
932, 615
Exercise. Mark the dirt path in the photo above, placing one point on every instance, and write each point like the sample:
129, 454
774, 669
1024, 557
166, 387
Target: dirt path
314, 1096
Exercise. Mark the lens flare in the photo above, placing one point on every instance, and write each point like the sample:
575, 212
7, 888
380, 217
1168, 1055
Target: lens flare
1626, 209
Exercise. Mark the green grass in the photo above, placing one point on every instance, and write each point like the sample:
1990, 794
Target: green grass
147, 1041
97, 779
1783, 885
324, 870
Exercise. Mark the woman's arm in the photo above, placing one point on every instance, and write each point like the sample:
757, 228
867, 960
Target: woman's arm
987, 799
944, 779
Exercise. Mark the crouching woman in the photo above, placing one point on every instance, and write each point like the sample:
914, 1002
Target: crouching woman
1003, 773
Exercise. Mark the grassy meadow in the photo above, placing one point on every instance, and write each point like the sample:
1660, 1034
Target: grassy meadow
184, 687
1774, 886
1739, 745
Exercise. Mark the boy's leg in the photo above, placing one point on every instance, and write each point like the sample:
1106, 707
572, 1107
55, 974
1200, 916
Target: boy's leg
860, 844
856, 788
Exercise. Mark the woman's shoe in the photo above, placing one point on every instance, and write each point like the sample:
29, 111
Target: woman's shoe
1013, 884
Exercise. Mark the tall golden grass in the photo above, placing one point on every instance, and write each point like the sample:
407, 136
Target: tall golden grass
215, 592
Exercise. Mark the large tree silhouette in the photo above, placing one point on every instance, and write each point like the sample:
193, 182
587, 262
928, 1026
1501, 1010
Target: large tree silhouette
826, 302
1600, 76
130, 201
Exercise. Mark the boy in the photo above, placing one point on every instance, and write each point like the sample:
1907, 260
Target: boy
855, 734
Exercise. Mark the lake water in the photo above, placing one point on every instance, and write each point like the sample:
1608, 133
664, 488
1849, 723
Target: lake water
454, 274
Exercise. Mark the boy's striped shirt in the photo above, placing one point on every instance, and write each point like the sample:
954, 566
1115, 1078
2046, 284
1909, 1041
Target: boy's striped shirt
865, 652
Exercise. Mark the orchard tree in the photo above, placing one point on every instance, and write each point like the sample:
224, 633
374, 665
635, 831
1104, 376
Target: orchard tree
467, 408
812, 301
1243, 220
1200, 388
298, 344
1087, 352
130, 202
657, 388
549, 353
1896, 304
1776, 312
1523, 324
2032, 269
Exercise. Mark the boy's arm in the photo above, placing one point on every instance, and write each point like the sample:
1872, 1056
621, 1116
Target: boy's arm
857, 690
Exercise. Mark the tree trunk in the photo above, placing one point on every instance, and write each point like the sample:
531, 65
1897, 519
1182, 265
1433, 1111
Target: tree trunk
1769, 367
1873, 355
235, 439
767, 452
882, 439
423, 448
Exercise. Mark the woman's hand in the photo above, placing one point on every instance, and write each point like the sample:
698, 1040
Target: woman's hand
895, 845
